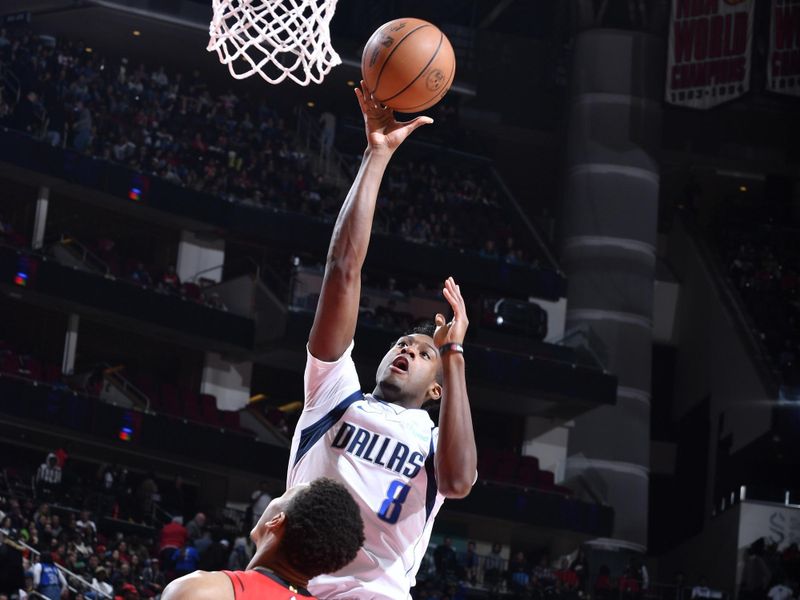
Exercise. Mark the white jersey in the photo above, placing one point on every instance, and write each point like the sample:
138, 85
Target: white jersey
384, 454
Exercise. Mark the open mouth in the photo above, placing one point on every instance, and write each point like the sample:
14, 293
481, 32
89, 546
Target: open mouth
400, 364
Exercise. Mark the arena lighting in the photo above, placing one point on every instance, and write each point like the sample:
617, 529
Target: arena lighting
88, 50
125, 434
21, 279
742, 188
351, 83
140, 185
136, 33
311, 104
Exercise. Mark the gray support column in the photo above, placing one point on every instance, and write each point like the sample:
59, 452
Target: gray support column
608, 253
40, 220
70, 345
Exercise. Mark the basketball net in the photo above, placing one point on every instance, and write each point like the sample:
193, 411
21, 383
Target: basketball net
274, 38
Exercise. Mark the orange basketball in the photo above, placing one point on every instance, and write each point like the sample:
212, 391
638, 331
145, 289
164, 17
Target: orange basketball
408, 64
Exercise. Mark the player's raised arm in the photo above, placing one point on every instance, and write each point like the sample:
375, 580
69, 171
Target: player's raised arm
456, 455
337, 311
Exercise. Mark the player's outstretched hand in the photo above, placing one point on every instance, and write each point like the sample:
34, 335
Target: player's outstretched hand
383, 131
454, 331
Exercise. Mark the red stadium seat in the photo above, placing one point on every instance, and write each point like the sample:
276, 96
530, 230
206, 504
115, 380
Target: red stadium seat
546, 480
208, 410
230, 420
507, 466
528, 473
171, 401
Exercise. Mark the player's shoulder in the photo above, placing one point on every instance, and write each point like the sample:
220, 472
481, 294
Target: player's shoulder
200, 585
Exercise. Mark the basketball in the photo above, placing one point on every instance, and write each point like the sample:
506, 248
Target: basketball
408, 65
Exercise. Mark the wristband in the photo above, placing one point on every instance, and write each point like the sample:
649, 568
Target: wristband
452, 347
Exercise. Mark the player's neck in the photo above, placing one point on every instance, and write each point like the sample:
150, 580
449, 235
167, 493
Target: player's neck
285, 571
401, 401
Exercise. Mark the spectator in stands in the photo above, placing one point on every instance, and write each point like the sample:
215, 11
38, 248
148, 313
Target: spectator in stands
87, 527
701, 590
47, 579
543, 575
82, 127
141, 276
170, 282
100, 584
48, 477
196, 527
568, 577
629, 587
173, 537
755, 575
26, 113
153, 578
261, 500
146, 494
471, 563
239, 556
518, 576
12, 576
185, 559
215, 557
493, 567
444, 557
128, 591
603, 588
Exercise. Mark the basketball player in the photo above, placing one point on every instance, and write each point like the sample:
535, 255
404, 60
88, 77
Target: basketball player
313, 528
382, 446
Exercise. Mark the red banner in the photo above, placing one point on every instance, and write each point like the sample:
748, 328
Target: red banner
783, 70
708, 60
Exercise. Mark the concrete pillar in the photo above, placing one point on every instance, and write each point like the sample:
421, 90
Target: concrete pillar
201, 256
228, 381
609, 255
70, 345
40, 220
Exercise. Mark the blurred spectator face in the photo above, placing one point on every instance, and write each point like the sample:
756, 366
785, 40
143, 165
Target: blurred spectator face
496, 548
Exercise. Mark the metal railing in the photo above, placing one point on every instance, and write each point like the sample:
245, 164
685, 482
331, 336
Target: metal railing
35, 554
113, 376
513, 203
86, 256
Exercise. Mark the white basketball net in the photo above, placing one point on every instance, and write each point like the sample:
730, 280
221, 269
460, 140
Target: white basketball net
274, 38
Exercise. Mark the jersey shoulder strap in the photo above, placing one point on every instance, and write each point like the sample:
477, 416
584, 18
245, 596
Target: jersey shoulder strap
258, 583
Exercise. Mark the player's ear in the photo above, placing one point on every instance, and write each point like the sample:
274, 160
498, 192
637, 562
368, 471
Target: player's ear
435, 392
276, 524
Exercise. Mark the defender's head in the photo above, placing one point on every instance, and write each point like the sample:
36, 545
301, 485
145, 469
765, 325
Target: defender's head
314, 527
411, 371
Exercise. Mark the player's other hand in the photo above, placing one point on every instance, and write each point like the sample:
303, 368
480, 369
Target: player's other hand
454, 331
384, 133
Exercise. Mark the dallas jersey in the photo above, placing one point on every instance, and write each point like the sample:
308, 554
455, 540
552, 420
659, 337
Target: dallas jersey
384, 455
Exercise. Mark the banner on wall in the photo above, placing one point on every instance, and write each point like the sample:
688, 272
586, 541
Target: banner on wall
783, 68
708, 59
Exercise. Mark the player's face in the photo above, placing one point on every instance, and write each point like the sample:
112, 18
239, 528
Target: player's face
409, 369
274, 508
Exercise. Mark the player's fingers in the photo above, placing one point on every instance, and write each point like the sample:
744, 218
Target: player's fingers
361, 102
451, 300
419, 122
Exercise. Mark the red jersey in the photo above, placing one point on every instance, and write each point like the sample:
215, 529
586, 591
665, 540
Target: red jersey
260, 584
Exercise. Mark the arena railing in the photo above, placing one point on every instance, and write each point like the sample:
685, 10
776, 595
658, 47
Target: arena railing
67, 573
